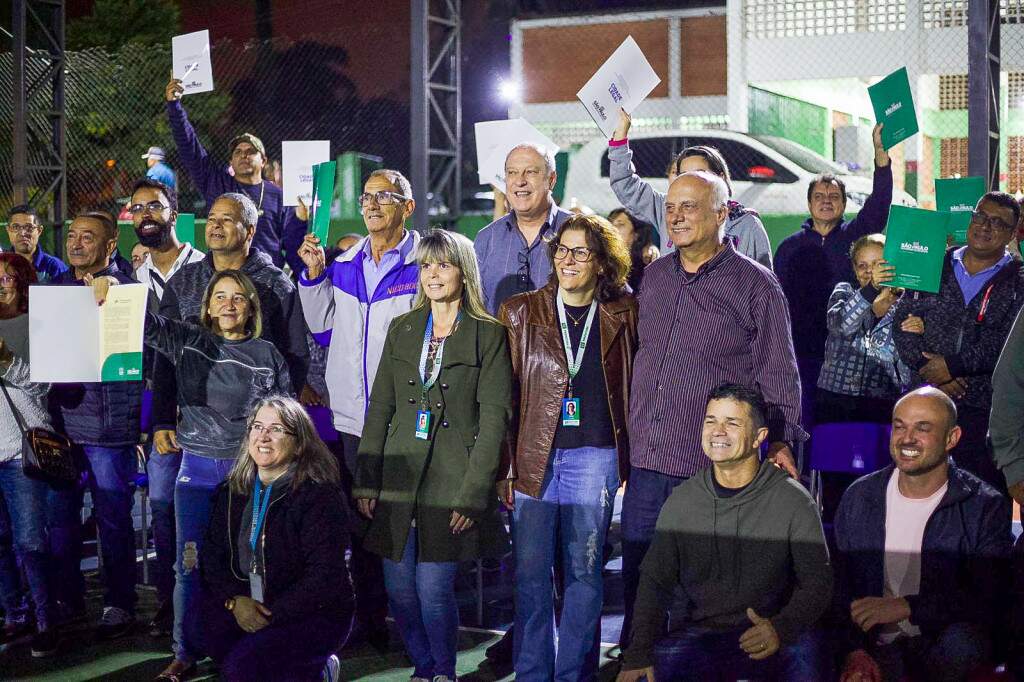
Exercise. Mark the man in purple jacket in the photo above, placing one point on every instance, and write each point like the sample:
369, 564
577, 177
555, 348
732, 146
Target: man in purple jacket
278, 229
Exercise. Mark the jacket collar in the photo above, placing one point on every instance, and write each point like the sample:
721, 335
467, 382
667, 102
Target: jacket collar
459, 349
609, 316
406, 247
960, 486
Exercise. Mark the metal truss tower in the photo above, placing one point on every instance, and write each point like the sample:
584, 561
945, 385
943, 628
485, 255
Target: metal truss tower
983, 66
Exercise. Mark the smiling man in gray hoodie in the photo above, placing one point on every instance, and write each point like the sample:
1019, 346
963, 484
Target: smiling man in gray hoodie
742, 543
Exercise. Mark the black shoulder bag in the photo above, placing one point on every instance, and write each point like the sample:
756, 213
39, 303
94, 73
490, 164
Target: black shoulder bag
45, 455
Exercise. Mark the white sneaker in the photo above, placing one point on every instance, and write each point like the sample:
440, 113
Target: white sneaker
332, 670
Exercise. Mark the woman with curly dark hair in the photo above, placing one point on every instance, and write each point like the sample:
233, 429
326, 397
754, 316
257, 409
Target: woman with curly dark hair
572, 345
22, 499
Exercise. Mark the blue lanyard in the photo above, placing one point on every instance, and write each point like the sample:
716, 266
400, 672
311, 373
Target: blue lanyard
435, 368
259, 510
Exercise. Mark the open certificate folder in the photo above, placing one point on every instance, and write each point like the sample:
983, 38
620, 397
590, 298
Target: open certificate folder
915, 242
74, 340
624, 80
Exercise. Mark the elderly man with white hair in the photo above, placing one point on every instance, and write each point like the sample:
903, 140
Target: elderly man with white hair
708, 315
510, 250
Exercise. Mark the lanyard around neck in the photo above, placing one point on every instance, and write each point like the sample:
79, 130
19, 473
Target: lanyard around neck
259, 510
575, 361
435, 367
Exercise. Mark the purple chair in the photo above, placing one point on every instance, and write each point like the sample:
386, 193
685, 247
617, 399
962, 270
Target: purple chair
849, 448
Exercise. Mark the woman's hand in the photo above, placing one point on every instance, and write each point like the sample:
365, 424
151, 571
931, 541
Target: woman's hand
460, 523
881, 274
250, 614
885, 300
506, 492
100, 286
913, 325
366, 506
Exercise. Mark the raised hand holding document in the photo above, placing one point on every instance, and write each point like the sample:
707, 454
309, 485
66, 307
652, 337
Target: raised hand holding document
624, 81
190, 62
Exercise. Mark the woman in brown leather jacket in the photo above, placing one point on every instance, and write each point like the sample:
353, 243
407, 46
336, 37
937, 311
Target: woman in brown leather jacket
572, 345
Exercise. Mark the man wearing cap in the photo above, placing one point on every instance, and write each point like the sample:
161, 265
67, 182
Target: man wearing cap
156, 159
278, 228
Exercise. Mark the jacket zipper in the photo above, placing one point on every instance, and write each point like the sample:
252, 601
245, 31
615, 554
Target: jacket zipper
263, 550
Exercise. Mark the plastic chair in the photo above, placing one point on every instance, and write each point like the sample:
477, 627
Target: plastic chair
849, 448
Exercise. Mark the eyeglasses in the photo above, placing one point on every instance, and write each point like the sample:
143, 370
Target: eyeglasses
23, 227
383, 198
275, 431
580, 254
984, 220
524, 271
7, 280
151, 207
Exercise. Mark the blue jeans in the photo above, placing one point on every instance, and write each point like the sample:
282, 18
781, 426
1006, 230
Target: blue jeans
571, 517
700, 654
24, 502
645, 494
422, 600
198, 478
162, 471
111, 477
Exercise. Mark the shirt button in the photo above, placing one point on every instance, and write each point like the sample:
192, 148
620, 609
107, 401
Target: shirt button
412, 401
660, 387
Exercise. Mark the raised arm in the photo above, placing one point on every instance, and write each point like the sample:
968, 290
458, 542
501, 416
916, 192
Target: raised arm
203, 170
636, 194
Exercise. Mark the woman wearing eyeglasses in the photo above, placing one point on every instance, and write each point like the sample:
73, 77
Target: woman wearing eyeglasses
572, 346
277, 598
223, 368
431, 447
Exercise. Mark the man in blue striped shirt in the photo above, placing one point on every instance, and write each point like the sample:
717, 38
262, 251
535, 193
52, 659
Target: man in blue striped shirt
708, 315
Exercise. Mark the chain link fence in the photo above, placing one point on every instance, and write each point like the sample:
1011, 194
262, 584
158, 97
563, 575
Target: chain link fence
278, 90
780, 87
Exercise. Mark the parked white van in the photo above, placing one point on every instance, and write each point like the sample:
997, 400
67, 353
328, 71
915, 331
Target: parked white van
769, 174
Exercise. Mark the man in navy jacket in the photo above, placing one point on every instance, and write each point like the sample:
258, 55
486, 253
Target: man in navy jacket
101, 418
922, 548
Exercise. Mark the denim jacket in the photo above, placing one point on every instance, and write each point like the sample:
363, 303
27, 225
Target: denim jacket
860, 353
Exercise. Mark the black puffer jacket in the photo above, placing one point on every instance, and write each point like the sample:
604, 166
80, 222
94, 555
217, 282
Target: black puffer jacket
969, 340
306, 535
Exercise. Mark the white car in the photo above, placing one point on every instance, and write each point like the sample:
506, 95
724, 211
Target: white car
769, 174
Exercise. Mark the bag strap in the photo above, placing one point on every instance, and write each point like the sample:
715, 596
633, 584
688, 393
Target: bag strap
14, 410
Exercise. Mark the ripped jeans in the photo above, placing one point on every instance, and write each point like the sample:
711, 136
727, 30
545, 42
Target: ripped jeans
194, 490
572, 517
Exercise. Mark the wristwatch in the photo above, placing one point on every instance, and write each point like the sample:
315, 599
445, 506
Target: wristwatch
229, 603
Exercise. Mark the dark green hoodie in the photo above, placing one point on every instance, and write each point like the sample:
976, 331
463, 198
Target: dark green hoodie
762, 548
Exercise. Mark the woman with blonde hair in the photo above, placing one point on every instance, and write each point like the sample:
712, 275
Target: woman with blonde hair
223, 368
431, 448
277, 599
572, 345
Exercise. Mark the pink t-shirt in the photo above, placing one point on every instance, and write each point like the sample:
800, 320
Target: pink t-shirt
905, 519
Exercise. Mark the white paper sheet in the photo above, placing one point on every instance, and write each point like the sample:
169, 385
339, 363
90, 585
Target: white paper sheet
190, 61
297, 161
72, 338
624, 80
495, 139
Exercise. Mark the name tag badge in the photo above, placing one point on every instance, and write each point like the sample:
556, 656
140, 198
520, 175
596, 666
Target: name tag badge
570, 411
423, 424
256, 586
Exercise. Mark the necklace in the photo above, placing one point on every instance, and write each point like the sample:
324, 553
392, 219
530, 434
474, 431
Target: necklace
575, 322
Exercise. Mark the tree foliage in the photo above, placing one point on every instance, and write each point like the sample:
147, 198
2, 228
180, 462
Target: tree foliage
116, 23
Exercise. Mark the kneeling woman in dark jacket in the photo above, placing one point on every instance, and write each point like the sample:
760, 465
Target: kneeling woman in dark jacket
277, 600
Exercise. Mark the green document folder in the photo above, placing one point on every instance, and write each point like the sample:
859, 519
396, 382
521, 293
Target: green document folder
185, 228
959, 196
323, 194
915, 242
894, 107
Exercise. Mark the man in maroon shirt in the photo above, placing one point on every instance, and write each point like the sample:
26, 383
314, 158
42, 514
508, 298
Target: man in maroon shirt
708, 315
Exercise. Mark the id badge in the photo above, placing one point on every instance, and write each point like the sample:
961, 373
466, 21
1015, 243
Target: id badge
256, 586
423, 424
570, 411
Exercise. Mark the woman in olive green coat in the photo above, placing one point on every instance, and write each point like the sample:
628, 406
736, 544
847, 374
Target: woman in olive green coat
431, 448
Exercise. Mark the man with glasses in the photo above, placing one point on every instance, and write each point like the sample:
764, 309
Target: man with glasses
357, 295
510, 250
24, 229
278, 228
965, 326
154, 209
